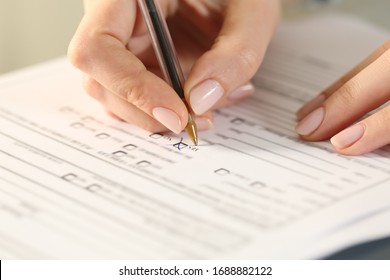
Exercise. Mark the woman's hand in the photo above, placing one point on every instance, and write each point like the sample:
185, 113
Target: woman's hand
220, 43
334, 112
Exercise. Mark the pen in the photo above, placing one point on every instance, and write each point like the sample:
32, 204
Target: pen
166, 56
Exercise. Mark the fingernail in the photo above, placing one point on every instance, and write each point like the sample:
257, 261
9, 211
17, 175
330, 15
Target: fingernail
205, 95
311, 122
310, 106
242, 92
168, 118
203, 123
348, 136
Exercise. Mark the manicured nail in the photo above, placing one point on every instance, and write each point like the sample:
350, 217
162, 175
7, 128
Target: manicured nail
242, 92
348, 136
205, 95
310, 106
203, 123
168, 118
311, 122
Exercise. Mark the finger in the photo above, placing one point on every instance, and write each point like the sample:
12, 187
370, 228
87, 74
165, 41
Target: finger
203, 21
236, 54
98, 49
365, 136
205, 121
318, 100
203, 18
366, 91
120, 108
112, 115
237, 95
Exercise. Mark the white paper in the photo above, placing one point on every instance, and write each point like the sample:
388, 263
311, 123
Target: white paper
75, 183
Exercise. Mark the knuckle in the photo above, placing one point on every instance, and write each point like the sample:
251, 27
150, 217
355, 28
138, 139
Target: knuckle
384, 119
248, 60
134, 94
348, 92
133, 90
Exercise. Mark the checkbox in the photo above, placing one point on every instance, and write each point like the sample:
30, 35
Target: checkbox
143, 163
258, 185
94, 188
130, 147
222, 171
180, 145
102, 136
88, 119
237, 121
156, 135
119, 153
77, 125
69, 177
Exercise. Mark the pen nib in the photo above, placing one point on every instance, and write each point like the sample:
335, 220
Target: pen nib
192, 130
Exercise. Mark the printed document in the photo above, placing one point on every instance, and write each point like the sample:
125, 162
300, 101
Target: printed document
76, 183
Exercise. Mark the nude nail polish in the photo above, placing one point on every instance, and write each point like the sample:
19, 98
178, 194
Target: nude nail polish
242, 92
204, 123
348, 136
311, 122
310, 106
168, 118
205, 95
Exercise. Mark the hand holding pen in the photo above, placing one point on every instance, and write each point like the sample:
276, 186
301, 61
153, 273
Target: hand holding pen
220, 45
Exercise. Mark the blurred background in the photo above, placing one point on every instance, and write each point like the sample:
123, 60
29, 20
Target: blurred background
33, 31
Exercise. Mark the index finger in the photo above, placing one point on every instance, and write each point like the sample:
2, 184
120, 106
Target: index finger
318, 100
99, 49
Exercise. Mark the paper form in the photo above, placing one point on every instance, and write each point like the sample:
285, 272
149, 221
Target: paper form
75, 183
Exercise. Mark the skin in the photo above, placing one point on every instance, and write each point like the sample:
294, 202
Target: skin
215, 40
348, 100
